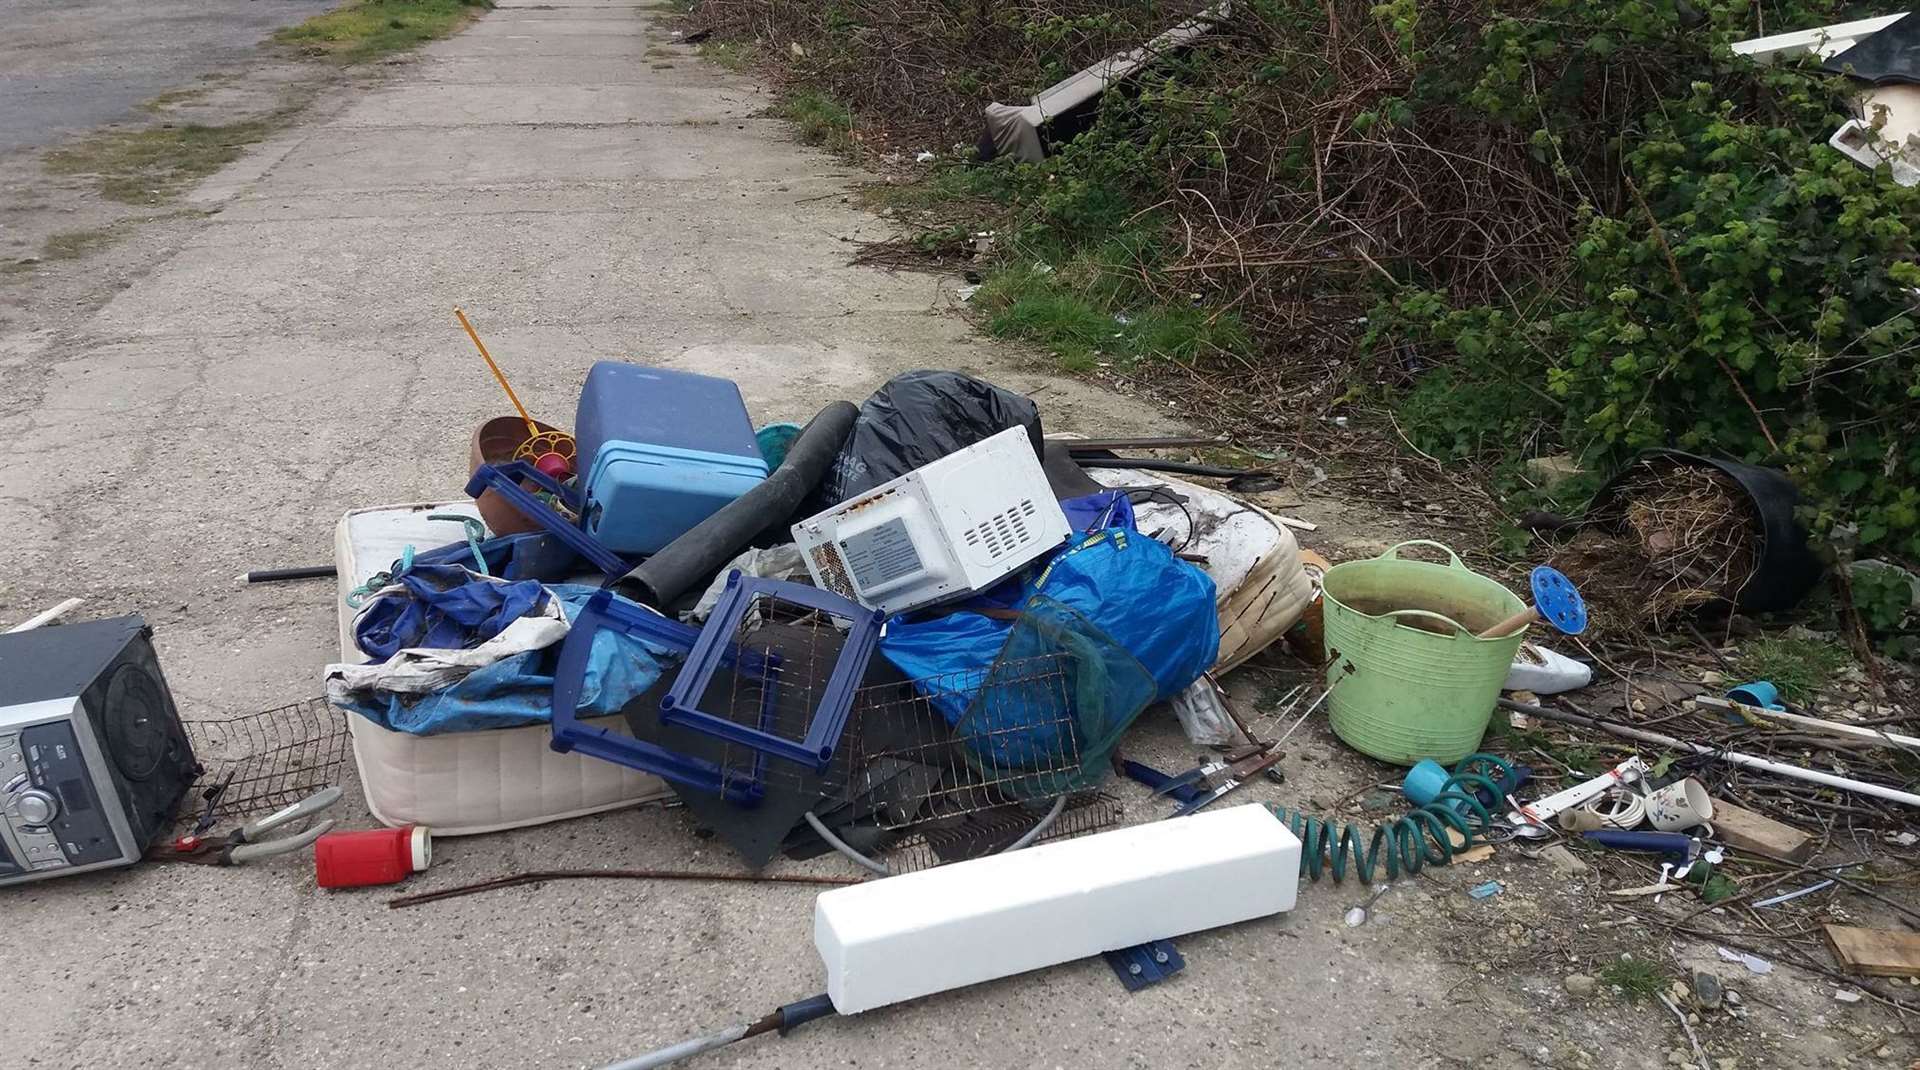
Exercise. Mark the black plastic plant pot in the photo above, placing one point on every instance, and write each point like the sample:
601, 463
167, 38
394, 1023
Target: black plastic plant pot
1785, 567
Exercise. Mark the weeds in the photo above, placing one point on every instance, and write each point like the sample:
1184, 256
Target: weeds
1638, 979
732, 55
74, 244
370, 29
821, 121
1800, 668
151, 165
173, 98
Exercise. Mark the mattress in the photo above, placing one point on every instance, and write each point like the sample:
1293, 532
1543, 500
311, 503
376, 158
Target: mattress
1252, 557
462, 783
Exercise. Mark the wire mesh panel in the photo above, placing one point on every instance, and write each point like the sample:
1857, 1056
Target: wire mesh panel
992, 831
263, 761
1012, 739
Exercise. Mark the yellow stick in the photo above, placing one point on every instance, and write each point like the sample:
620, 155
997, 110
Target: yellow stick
532, 430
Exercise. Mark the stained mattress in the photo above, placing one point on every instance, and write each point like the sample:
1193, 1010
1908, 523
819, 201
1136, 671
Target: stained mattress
462, 782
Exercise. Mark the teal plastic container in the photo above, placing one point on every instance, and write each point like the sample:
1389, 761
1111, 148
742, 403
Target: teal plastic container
641, 497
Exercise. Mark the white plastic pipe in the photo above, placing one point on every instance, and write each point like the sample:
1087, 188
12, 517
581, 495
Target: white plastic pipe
47, 617
1750, 761
1761, 713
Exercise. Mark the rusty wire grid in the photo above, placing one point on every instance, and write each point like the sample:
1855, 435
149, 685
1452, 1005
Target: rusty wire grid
933, 747
266, 760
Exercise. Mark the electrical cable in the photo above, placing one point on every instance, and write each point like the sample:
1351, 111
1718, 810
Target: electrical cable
1619, 809
854, 855
1165, 494
819, 827
1425, 837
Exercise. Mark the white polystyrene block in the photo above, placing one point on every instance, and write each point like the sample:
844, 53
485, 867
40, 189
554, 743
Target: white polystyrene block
908, 936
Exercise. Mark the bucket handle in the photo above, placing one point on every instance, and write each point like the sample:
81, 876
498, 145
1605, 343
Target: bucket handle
1441, 617
1393, 552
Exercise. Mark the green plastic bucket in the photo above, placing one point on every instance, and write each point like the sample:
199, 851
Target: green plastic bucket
1422, 683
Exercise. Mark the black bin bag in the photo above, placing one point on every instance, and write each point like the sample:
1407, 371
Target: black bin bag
920, 417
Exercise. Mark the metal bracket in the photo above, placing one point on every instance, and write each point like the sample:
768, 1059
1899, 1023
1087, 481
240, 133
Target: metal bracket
571, 734
504, 480
1144, 965
716, 645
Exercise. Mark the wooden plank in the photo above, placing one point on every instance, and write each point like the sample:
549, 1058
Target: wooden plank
1876, 952
1748, 831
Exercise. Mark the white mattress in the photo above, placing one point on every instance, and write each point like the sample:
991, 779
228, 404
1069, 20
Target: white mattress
461, 783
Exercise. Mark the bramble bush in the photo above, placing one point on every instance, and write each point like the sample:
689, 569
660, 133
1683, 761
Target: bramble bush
1528, 226
1752, 295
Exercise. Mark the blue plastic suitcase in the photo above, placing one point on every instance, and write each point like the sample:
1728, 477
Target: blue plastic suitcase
665, 449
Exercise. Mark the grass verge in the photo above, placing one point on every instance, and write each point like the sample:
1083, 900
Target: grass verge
173, 98
821, 121
152, 165
74, 244
733, 55
371, 29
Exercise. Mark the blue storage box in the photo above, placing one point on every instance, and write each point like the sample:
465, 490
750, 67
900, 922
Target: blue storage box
665, 449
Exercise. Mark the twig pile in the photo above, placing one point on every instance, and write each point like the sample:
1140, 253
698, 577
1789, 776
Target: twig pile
1289, 172
1677, 538
1696, 530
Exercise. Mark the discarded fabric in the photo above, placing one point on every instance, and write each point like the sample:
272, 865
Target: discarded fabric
444, 606
516, 690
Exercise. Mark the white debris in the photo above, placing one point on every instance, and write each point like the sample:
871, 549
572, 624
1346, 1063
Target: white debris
1753, 963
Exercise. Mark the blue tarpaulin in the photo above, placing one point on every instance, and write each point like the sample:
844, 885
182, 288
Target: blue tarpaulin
518, 690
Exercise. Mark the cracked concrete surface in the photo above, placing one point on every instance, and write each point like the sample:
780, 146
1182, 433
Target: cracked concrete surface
256, 373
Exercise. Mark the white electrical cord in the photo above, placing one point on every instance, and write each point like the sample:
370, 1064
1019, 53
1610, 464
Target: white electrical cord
1620, 808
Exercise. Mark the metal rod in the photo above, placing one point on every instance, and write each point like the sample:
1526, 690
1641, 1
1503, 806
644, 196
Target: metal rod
542, 876
790, 1016
673, 1053
1762, 714
1109, 445
303, 572
1731, 757
1787, 896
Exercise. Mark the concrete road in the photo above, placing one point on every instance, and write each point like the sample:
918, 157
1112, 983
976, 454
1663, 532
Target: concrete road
67, 66
297, 357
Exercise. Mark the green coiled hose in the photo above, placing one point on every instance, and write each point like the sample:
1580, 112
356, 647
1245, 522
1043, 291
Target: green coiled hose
1404, 846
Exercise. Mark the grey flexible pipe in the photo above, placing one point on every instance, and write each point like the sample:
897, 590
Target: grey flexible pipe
854, 855
844, 847
691, 560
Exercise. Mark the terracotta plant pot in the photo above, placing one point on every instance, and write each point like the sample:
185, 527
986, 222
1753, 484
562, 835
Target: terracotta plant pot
494, 442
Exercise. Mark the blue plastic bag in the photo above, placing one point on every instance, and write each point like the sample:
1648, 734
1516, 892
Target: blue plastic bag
1102, 509
1136, 590
1114, 596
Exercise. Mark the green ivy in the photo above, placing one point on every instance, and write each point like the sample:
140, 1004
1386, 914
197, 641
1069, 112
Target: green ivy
1750, 292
